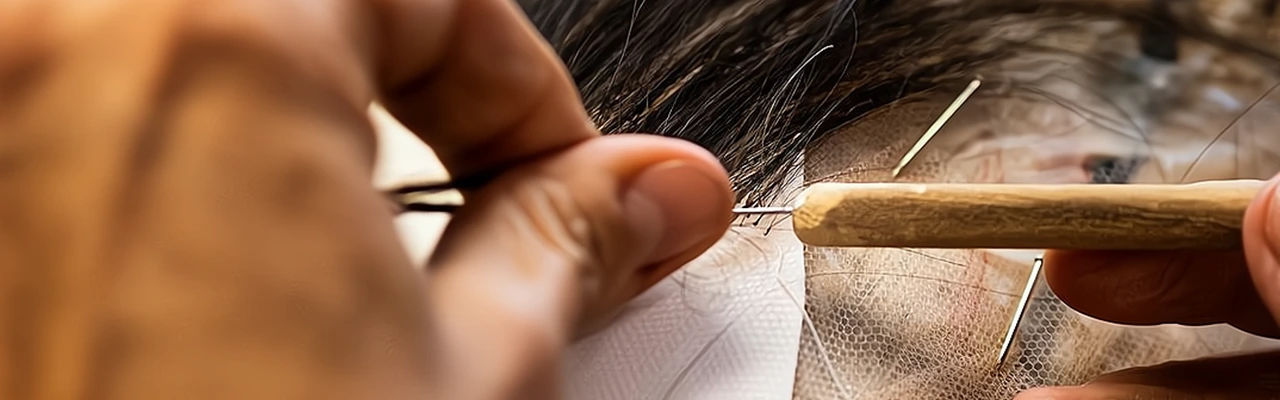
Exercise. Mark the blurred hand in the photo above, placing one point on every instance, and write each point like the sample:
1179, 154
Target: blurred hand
185, 204
1191, 288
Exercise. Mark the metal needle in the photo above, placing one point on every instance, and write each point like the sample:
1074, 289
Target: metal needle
762, 210
937, 126
1022, 309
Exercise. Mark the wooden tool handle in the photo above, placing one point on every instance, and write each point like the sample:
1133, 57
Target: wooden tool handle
1205, 215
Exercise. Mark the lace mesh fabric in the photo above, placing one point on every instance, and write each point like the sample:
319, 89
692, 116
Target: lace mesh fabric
928, 324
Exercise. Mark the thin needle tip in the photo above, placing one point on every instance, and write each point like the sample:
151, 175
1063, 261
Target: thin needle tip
1023, 302
937, 125
762, 210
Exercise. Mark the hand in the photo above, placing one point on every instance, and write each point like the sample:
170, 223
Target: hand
1192, 288
187, 205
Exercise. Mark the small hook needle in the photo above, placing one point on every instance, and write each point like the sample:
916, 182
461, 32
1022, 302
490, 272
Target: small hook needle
1022, 309
937, 126
762, 210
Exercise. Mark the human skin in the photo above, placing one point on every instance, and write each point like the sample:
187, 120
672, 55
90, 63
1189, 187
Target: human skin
293, 261
188, 209
1240, 288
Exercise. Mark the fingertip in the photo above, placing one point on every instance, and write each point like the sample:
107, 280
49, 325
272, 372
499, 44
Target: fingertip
1261, 241
679, 201
1257, 233
651, 203
692, 193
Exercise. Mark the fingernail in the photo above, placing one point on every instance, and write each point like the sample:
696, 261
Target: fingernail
1272, 212
678, 204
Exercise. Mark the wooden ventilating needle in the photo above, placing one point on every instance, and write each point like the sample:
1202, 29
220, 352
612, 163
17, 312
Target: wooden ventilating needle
1204, 215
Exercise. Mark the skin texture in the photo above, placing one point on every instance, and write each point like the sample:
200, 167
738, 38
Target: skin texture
188, 210
203, 170
1238, 288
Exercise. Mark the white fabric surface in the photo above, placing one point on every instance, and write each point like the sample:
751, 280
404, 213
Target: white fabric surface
725, 327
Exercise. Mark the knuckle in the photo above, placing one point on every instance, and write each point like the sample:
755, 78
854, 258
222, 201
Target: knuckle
295, 33
559, 218
567, 224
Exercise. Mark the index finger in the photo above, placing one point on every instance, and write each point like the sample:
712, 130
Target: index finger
1186, 287
1159, 287
476, 81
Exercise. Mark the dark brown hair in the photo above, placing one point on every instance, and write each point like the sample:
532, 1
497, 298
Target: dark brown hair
756, 81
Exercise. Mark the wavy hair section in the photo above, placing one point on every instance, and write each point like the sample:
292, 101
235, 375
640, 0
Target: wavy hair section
757, 81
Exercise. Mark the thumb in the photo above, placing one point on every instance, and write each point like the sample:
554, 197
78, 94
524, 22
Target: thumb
1261, 233
558, 242
590, 227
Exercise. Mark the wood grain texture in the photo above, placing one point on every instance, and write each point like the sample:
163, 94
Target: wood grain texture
1205, 215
